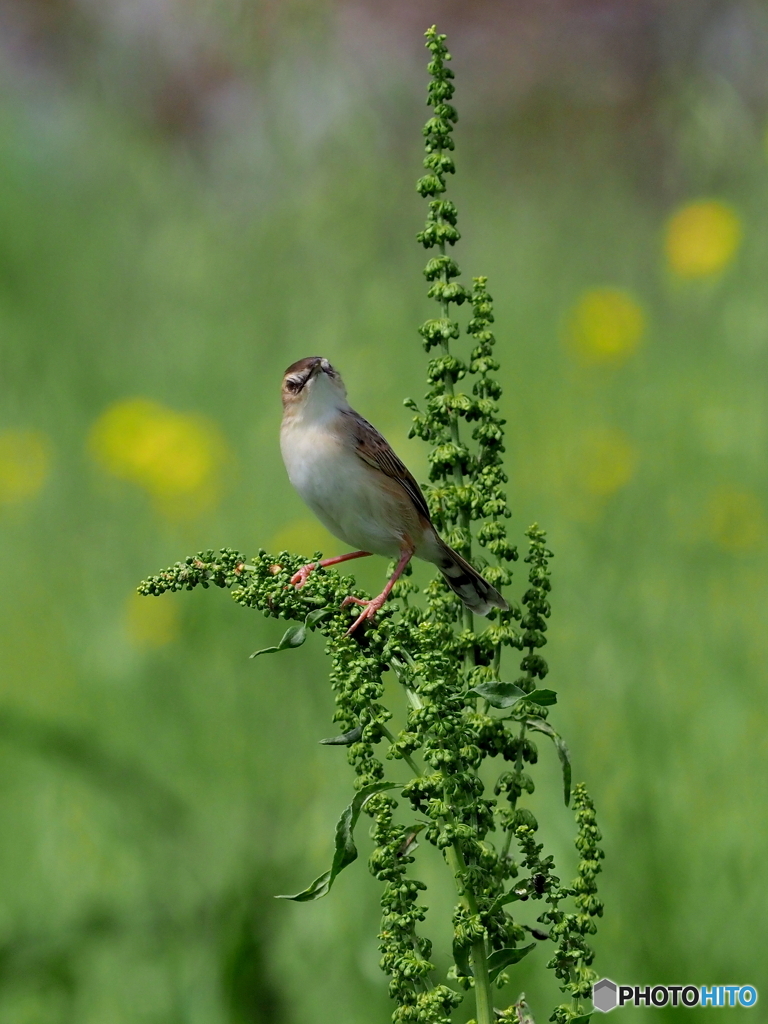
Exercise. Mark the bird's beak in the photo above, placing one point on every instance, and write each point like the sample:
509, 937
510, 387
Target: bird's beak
320, 367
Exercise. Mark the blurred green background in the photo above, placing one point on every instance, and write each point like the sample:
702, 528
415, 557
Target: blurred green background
192, 196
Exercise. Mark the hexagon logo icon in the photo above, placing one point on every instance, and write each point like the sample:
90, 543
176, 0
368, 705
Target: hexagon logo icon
604, 995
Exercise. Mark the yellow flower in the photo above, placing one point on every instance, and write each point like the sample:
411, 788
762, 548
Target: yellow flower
151, 622
607, 461
605, 326
702, 238
176, 457
736, 519
24, 464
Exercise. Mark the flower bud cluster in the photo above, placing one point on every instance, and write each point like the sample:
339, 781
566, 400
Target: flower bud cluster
573, 957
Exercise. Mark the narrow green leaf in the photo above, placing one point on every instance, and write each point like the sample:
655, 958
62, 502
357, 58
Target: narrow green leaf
346, 739
294, 636
562, 752
264, 650
499, 694
345, 850
504, 957
320, 887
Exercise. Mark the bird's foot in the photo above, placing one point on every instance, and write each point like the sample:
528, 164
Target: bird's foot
300, 578
369, 609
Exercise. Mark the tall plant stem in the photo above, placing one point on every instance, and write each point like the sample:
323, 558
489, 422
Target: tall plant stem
454, 855
457, 864
458, 476
483, 995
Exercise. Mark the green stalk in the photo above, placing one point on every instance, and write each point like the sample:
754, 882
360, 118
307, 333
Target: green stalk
454, 854
456, 862
483, 995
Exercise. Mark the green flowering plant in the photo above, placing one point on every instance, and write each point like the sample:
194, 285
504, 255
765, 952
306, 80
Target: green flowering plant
461, 713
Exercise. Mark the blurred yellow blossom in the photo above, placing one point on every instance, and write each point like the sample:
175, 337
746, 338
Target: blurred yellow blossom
607, 461
605, 326
24, 464
303, 537
736, 519
588, 466
150, 621
702, 238
177, 457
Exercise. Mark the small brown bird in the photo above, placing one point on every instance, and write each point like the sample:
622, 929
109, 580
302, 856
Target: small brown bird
359, 490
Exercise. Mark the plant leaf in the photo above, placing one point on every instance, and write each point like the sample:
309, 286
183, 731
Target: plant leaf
345, 850
461, 959
346, 739
562, 752
318, 615
504, 957
499, 694
542, 697
294, 636
507, 897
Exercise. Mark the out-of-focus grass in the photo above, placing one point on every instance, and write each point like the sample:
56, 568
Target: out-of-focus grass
159, 788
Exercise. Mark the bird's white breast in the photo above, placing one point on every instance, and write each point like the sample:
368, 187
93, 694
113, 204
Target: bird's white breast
337, 485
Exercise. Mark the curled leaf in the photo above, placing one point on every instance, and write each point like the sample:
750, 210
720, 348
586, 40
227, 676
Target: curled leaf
294, 636
562, 752
346, 739
345, 851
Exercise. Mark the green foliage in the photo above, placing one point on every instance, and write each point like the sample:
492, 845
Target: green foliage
450, 677
345, 850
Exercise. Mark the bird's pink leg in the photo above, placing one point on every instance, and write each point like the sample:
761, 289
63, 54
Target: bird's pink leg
371, 607
300, 578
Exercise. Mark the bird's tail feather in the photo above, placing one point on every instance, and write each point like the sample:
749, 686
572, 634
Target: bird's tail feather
467, 583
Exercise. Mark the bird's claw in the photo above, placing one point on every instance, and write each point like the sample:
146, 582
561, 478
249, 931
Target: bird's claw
300, 578
369, 609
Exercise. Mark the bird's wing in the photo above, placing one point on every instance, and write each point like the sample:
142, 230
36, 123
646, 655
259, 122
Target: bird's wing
376, 451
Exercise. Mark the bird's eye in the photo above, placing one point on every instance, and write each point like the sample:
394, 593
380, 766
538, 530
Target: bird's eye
293, 385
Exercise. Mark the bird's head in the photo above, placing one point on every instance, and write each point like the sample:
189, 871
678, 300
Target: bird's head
313, 383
